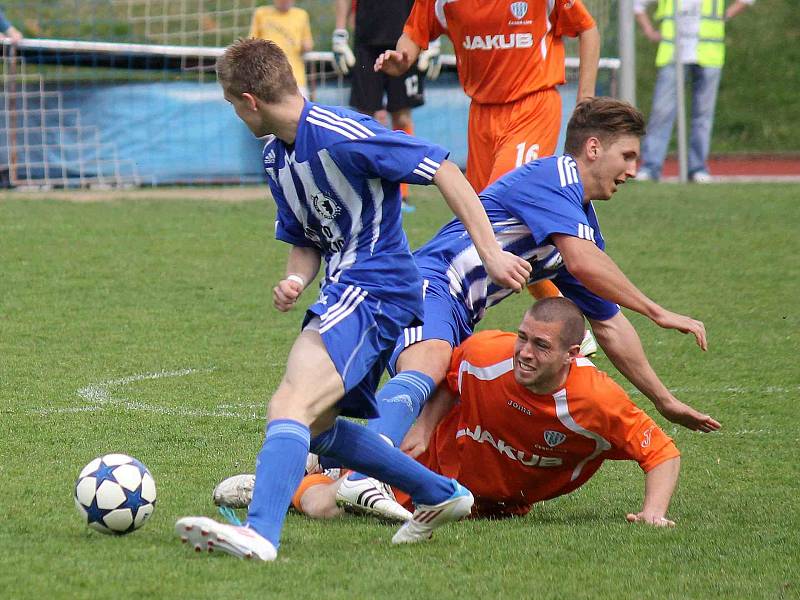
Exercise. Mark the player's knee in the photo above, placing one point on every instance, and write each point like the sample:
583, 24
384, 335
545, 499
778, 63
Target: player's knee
289, 402
431, 357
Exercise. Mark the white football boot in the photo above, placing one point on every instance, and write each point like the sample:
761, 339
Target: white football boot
428, 517
207, 534
372, 497
589, 344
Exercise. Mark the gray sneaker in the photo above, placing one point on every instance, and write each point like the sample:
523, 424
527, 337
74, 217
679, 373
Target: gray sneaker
235, 492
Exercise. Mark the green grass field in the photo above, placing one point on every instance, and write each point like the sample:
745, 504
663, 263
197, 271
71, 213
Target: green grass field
94, 294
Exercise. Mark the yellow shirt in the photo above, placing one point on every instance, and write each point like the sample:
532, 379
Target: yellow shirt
287, 29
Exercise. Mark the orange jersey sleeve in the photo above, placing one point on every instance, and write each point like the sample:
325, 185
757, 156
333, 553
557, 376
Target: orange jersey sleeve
632, 434
422, 26
504, 51
571, 19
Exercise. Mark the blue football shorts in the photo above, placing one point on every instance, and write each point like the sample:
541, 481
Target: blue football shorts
359, 332
445, 319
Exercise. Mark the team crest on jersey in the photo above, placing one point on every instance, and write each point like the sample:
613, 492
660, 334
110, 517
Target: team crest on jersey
519, 9
554, 438
324, 206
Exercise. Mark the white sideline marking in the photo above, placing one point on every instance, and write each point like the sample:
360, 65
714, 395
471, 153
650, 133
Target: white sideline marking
98, 396
98, 392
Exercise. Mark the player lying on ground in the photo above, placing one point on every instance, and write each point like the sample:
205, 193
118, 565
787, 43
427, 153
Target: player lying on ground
334, 175
521, 419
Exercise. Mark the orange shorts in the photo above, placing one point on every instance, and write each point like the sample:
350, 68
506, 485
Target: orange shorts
503, 137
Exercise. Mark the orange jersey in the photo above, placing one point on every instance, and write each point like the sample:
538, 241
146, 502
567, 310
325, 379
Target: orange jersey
512, 447
504, 50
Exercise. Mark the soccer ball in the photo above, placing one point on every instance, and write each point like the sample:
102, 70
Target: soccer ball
115, 494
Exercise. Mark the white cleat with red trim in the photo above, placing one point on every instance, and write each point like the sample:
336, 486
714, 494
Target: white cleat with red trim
205, 534
428, 517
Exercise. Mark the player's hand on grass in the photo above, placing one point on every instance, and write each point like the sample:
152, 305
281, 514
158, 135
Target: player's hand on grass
393, 62
682, 414
507, 270
286, 293
343, 58
670, 320
650, 519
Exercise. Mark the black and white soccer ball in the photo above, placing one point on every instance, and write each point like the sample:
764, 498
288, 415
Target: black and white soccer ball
115, 494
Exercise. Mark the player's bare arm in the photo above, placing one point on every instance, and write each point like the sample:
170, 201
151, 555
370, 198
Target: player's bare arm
589, 54
504, 268
619, 340
398, 61
435, 409
302, 266
600, 274
659, 484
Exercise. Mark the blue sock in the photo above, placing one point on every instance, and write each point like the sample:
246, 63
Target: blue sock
399, 403
367, 452
279, 469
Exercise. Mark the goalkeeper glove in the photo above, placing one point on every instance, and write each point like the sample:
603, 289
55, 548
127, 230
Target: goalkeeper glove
429, 60
343, 57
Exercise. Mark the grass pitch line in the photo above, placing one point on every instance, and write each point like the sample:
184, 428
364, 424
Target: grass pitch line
98, 396
99, 392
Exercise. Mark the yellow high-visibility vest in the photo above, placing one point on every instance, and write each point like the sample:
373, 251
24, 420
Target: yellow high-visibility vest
711, 42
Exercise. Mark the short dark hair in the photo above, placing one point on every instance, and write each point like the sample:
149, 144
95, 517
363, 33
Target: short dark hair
258, 67
603, 118
561, 310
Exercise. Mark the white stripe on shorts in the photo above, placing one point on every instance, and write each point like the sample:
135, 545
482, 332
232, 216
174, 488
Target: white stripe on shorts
331, 317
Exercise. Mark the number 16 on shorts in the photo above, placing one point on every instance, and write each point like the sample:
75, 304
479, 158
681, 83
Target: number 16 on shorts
524, 157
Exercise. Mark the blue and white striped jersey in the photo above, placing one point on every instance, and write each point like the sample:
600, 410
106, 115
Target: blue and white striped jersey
338, 189
525, 207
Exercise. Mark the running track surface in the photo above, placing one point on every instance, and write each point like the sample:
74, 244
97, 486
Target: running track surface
743, 167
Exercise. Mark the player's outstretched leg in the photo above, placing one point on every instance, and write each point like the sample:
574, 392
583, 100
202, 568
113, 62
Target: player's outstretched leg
399, 404
279, 469
365, 451
428, 517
